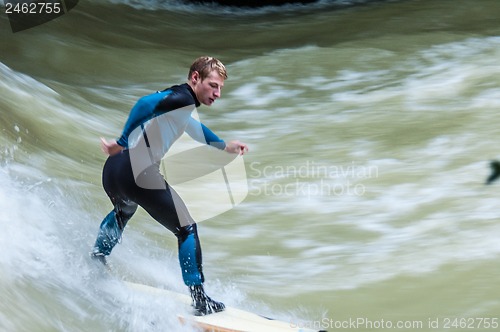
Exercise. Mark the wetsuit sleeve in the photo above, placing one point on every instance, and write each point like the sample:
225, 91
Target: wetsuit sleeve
142, 111
203, 134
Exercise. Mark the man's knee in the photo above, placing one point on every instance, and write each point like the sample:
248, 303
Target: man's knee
124, 211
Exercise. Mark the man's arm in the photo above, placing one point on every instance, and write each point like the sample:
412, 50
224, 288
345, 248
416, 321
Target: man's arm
203, 134
142, 111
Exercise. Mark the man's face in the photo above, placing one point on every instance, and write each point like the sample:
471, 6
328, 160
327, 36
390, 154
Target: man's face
209, 89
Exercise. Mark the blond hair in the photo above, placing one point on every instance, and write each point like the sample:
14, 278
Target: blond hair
204, 65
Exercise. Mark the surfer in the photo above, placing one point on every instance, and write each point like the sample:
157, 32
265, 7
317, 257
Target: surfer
131, 175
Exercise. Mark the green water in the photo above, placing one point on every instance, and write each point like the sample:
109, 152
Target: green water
370, 131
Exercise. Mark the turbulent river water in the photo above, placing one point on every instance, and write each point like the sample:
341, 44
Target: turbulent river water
370, 129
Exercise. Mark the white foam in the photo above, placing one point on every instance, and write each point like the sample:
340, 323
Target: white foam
45, 241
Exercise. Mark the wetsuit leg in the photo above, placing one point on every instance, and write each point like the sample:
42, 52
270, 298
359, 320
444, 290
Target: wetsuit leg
166, 207
116, 182
190, 255
111, 229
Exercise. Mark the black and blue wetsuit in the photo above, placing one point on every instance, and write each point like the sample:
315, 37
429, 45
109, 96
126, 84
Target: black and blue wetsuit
132, 177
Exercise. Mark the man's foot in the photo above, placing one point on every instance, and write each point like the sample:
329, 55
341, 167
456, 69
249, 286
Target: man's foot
203, 304
98, 257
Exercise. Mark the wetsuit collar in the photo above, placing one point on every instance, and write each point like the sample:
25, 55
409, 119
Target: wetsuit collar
196, 102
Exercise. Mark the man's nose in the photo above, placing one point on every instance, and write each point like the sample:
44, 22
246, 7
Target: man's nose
217, 92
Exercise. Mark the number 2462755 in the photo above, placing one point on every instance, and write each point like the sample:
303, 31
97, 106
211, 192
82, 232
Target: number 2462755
33, 8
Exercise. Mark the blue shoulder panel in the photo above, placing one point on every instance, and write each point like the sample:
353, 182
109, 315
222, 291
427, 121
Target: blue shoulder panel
142, 111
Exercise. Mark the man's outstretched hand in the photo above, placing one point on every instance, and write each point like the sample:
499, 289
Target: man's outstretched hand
236, 147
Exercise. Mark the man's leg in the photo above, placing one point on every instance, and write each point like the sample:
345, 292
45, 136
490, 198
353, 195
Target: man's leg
192, 274
111, 229
176, 218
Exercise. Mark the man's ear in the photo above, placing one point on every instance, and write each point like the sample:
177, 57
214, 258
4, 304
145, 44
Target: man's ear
195, 77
